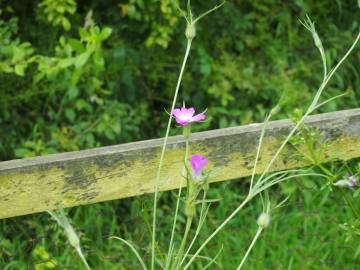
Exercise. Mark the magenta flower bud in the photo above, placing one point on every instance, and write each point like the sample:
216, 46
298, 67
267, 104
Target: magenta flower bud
198, 162
184, 116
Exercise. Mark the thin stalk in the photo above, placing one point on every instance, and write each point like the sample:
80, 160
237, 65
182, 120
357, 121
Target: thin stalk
133, 249
201, 222
248, 198
258, 151
183, 242
157, 179
348, 201
184, 171
276, 181
311, 107
323, 58
81, 255
259, 230
213, 259
256, 190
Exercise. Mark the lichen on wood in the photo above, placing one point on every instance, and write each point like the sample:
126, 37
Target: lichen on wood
83, 177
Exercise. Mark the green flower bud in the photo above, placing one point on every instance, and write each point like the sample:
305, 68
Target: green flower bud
317, 40
275, 110
72, 236
263, 220
190, 31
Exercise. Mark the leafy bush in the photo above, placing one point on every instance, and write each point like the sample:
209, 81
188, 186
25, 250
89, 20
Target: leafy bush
83, 74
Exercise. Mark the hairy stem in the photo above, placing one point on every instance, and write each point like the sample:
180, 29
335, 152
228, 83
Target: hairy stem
248, 198
259, 230
183, 243
186, 157
203, 213
157, 179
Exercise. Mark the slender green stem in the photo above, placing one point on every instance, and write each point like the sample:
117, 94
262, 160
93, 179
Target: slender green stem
133, 249
184, 171
349, 202
325, 170
258, 151
248, 198
311, 107
259, 230
157, 179
257, 189
183, 243
81, 255
200, 224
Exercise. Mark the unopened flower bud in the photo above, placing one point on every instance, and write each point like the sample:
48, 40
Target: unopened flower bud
263, 220
275, 110
317, 40
190, 31
72, 236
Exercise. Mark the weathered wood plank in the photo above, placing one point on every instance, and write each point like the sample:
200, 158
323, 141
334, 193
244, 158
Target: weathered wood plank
76, 178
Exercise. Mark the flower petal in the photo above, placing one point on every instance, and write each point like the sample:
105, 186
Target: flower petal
182, 122
190, 112
176, 112
199, 117
198, 162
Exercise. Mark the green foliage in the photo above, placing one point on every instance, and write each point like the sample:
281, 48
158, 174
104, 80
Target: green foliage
15, 56
108, 78
161, 27
54, 11
72, 78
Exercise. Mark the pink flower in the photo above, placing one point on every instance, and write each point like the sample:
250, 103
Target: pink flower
185, 116
198, 163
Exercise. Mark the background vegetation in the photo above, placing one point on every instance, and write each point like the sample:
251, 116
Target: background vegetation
81, 74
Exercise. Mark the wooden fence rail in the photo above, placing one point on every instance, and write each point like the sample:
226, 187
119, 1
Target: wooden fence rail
62, 180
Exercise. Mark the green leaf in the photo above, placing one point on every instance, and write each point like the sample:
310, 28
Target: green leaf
83, 33
73, 92
98, 58
66, 24
24, 152
81, 104
105, 33
20, 69
82, 59
70, 114
64, 63
76, 45
90, 139
4, 67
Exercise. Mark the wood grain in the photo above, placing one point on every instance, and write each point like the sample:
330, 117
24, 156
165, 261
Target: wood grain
62, 180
